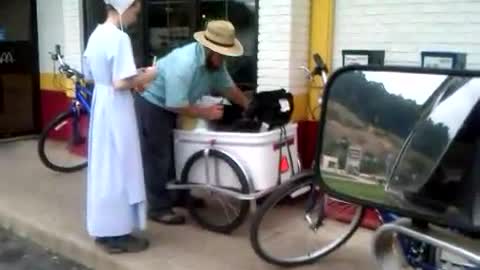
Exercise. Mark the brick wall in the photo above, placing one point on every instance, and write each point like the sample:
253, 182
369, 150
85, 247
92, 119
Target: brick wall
72, 18
50, 31
404, 28
283, 44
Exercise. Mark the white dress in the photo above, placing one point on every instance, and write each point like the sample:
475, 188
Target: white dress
116, 200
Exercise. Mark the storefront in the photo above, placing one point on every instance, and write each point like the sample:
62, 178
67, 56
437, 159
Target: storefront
19, 85
278, 36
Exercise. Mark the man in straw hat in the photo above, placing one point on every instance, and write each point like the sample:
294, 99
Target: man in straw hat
182, 78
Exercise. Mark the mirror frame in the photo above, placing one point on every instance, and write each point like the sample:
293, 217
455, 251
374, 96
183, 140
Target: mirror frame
321, 130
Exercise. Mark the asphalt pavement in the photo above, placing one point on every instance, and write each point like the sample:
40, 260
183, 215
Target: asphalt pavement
17, 253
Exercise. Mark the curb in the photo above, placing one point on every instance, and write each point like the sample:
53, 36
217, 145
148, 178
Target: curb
65, 245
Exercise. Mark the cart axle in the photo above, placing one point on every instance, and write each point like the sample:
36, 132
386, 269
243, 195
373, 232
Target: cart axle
224, 191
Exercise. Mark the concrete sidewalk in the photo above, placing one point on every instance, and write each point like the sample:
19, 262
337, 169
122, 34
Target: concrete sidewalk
49, 209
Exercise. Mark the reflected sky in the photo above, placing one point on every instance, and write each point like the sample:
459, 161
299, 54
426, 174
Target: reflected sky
417, 87
453, 111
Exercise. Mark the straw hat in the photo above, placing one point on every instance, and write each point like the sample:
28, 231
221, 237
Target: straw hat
220, 37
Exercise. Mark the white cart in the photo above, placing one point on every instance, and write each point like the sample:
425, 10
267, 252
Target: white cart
231, 170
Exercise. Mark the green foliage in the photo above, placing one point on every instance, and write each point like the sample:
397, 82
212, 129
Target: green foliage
392, 113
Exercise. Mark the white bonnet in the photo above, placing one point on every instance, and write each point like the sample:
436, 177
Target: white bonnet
120, 5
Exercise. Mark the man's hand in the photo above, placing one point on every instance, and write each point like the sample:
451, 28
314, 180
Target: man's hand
236, 96
213, 112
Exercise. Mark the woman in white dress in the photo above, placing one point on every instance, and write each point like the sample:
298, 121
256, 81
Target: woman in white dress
115, 185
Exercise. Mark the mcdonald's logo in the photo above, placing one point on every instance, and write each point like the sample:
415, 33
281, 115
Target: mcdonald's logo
6, 58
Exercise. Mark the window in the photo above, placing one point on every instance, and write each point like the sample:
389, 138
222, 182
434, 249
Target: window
19, 110
168, 24
172, 23
14, 23
243, 15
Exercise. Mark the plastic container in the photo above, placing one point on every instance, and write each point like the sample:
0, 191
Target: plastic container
257, 153
192, 123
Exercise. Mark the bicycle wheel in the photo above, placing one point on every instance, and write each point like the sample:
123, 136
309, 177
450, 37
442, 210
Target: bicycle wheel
281, 235
221, 213
63, 144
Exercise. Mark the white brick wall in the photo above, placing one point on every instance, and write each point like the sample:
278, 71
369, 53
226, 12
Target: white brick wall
283, 44
404, 28
59, 22
50, 31
72, 14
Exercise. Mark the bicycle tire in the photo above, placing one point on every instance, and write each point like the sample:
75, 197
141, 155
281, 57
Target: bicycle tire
41, 145
275, 198
244, 188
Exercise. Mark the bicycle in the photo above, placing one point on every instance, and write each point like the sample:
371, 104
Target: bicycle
68, 130
314, 212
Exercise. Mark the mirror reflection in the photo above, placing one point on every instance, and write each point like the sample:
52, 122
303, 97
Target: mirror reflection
387, 133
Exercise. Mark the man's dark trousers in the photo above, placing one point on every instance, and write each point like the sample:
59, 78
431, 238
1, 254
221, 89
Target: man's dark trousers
156, 126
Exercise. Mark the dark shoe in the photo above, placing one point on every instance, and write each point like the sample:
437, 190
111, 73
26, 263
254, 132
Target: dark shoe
168, 218
123, 244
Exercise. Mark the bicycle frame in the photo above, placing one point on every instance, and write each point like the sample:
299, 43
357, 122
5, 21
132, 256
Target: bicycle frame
80, 101
412, 249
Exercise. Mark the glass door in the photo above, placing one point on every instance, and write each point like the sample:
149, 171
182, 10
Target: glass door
19, 78
170, 24
243, 15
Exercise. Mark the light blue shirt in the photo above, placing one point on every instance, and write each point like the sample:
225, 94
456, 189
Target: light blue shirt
183, 78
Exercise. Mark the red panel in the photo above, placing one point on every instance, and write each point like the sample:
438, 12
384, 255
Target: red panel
52, 104
307, 141
344, 212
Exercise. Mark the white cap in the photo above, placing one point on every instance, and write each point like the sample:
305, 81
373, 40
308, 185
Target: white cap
120, 5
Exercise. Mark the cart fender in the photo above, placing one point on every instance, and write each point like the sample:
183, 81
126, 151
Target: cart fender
240, 163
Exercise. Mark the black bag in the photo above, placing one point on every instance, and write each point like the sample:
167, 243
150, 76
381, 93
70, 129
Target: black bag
274, 108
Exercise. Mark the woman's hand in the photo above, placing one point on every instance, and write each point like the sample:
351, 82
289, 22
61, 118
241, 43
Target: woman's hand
144, 77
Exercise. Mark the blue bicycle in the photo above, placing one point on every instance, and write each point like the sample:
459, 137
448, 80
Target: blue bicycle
63, 143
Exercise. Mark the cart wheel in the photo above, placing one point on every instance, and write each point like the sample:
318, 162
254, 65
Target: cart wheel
221, 213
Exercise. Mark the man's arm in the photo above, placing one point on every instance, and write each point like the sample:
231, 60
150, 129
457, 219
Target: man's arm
210, 113
176, 100
235, 95
224, 84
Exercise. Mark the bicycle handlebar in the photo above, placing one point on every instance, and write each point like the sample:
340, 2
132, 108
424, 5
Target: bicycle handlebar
65, 68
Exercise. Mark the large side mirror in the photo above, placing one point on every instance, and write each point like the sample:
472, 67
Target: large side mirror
406, 140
